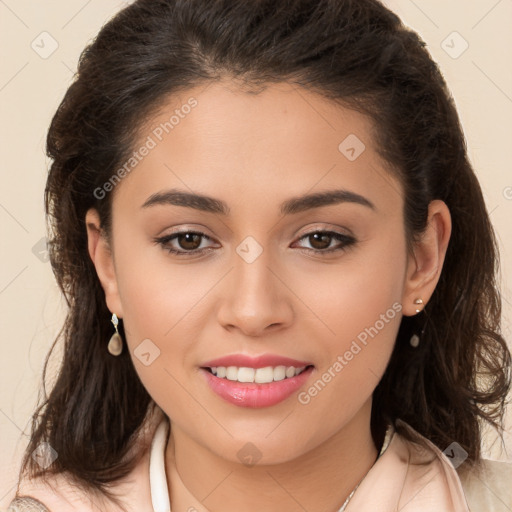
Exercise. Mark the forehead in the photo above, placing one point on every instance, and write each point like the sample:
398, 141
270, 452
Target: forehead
283, 141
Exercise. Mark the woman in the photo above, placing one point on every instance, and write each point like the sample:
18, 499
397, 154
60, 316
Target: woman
272, 203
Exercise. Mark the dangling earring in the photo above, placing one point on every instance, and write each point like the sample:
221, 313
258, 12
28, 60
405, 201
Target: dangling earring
415, 339
115, 345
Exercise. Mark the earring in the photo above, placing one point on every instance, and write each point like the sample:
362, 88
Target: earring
115, 345
415, 339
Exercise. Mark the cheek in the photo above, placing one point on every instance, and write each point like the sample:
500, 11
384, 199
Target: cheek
353, 294
160, 302
157, 292
359, 304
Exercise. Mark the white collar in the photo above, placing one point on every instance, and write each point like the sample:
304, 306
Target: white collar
158, 479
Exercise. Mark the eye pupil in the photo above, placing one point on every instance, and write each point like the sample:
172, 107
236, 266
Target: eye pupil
324, 238
190, 238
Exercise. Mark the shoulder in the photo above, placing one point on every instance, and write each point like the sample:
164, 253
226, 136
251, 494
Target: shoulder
51, 494
487, 486
26, 504
60, 493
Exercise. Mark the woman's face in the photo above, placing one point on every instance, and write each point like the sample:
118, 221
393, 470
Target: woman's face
259, 282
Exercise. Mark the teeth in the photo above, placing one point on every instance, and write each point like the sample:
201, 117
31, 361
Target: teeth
258, 375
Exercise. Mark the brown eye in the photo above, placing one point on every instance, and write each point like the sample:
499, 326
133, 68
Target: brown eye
184, 243
320, 240
189, 241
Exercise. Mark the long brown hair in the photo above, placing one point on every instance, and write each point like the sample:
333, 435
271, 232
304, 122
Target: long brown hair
354, 52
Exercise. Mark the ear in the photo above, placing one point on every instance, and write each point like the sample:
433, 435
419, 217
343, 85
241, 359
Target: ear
425, 264
102, 257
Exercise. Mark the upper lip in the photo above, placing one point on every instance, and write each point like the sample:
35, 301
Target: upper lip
243, 360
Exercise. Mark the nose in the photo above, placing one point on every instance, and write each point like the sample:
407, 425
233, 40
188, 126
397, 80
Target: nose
255, 299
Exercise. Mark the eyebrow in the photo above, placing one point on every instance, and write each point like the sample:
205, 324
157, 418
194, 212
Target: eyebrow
291, 206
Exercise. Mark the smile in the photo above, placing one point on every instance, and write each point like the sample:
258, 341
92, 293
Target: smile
256, 387
258, 375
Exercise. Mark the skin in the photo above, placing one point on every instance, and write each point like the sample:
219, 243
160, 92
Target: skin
254, 152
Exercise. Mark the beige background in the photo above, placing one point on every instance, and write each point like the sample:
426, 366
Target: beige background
32, 84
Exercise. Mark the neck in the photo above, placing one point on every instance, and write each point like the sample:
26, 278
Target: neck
318, 481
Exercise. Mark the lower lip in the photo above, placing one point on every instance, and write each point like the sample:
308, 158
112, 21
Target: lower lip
250, 394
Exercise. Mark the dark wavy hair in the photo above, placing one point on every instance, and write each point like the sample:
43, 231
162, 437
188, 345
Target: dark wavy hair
356, 53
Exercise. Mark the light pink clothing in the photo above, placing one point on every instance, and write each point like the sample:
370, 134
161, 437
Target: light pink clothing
401, 481
406, 478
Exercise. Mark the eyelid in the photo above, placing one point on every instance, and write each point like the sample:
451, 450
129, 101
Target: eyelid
322, 226
186, 228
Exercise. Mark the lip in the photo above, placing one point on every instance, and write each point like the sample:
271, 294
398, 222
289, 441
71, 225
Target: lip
251, 394
261, 361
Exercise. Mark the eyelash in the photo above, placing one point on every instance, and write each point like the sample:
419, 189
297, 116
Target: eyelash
164, 242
